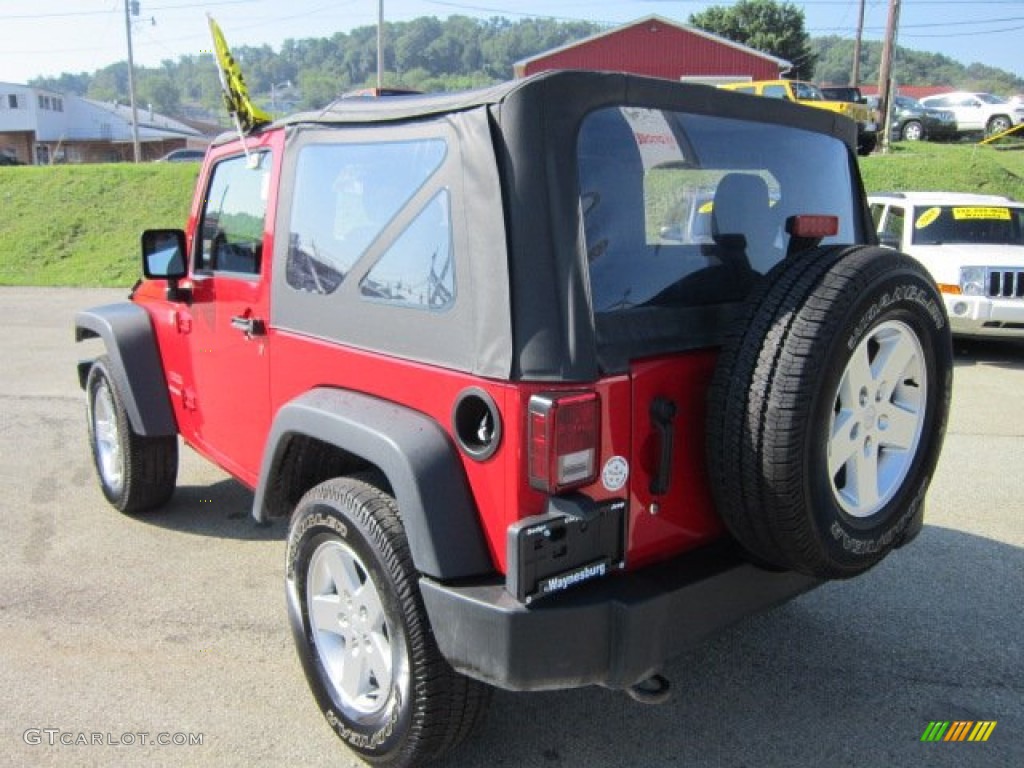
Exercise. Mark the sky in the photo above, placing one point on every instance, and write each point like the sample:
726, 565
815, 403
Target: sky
48, 38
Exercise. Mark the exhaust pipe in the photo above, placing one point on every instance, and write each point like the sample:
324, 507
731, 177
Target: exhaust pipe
656, 689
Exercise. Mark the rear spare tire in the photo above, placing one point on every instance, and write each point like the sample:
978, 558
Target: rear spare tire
828, 409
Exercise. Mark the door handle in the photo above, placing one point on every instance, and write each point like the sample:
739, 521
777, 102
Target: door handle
250, 326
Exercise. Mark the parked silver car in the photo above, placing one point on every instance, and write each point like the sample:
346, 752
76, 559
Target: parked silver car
978, 111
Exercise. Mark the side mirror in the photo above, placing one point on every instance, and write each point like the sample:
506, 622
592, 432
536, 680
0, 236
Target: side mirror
163, 254
163, 258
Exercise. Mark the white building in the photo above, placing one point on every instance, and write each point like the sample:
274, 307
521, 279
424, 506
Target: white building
40, 127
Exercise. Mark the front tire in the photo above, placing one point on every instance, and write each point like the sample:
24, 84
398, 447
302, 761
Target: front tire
867, 145
362, 632
912, 131
136, 473
828, 409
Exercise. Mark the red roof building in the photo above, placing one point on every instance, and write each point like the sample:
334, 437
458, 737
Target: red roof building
658, 47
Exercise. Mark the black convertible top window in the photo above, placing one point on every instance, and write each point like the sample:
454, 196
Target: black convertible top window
684, 210
345, 196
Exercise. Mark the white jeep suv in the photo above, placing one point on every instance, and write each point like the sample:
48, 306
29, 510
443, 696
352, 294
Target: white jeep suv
978, 111
973, 245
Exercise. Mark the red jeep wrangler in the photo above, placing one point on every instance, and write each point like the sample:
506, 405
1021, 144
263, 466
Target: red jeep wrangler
553, 379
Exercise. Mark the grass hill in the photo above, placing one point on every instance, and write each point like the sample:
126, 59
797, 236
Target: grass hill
946, 167
80, 225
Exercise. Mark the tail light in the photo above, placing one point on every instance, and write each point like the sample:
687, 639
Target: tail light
812, 225
564, 435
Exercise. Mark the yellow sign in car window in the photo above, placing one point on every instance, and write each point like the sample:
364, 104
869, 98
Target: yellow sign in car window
927, 217
995, 214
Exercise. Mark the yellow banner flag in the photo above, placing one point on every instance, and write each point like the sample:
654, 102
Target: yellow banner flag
236, 95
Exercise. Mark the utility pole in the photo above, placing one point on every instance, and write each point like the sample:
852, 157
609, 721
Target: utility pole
129, 7
855, 72
380, 45
885, 74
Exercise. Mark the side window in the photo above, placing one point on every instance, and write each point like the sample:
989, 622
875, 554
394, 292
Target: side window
345, 196
775, 92
877, 209
894, 224
803, 92
231, 233
417, 270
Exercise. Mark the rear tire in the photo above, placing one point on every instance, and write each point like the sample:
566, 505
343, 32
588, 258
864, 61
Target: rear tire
828, 409
363, 635
136, 473
998, 124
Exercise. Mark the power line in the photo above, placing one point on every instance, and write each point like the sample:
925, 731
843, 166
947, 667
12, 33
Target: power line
68, 14
962, 23
974, 32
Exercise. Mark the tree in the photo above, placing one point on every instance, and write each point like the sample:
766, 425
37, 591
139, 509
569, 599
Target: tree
110, 83
412, 41
461, 52
65, 83
318, 90
910, 68
158, 91
775, 28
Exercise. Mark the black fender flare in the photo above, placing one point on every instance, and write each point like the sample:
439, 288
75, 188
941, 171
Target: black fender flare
414, 453
127, 332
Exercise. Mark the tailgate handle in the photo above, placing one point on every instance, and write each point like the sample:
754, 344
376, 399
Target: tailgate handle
663, 413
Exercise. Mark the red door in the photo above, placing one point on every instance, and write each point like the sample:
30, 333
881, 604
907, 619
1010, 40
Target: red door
232, 378
230, 351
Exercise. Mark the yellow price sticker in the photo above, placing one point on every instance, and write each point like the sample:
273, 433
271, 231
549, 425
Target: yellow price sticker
975, 212
707, 207
927, 217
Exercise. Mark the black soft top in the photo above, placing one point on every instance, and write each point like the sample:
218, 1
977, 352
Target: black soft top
562, 90
403, 107
528, 315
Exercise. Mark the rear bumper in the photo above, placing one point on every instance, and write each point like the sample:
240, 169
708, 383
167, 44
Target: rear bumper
613, 632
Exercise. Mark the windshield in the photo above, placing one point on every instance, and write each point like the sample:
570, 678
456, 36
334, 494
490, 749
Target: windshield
807, 92
684, 210
975, 224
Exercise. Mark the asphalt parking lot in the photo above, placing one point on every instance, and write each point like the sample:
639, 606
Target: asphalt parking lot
172, 625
